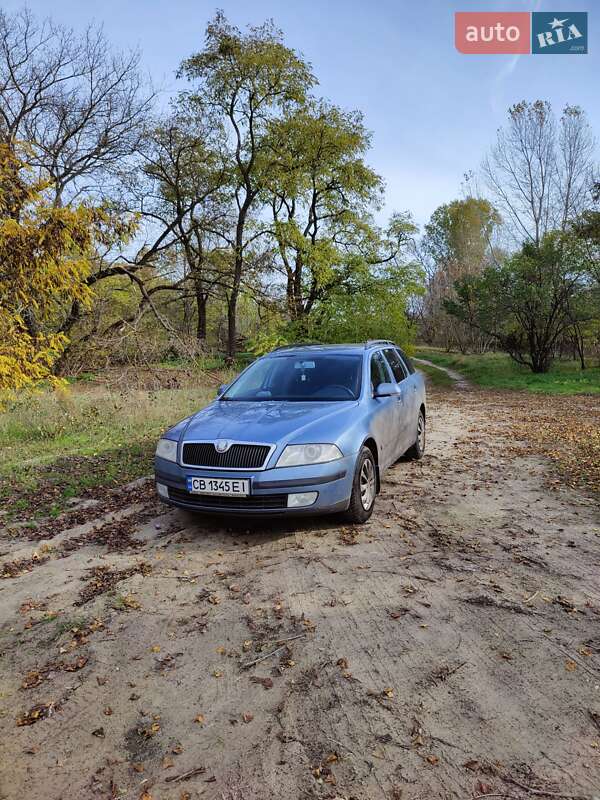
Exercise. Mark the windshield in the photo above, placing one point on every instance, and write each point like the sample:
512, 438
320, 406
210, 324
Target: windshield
303, 378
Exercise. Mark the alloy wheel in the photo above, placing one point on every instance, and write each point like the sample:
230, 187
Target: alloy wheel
367, 484
421, 433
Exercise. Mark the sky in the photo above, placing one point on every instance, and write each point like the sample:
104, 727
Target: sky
433, 111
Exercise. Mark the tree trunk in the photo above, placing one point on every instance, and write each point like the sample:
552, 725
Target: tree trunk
201, 301
231, 325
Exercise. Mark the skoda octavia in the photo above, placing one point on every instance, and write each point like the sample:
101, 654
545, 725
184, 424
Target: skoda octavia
307, 429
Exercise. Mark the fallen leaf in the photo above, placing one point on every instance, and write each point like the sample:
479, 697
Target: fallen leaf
99, 732
35, 714
267, 683
199, 718
432, 759
155, 648
570, 665
247, 717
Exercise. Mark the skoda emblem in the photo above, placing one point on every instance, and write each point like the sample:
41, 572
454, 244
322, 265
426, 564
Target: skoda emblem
221, 445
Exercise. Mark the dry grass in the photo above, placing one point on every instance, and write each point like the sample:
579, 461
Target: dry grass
92, 434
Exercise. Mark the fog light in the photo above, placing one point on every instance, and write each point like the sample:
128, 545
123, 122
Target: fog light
162, 490
301, 499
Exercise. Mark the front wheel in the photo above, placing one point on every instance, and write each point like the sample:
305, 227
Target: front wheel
364, 488
418, 449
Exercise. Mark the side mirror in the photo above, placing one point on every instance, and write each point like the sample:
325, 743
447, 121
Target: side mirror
386, 390
221, 389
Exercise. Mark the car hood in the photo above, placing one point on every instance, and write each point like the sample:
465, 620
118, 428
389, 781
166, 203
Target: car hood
268, 421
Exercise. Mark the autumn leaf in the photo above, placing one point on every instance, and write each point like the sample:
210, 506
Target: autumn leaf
267, 683
35, 714
247, 717
570, 665
199, 718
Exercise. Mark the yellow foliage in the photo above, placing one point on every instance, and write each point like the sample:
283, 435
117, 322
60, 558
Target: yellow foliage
44, 260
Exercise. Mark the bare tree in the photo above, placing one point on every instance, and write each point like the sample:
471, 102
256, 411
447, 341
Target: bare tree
79, 105
540, 170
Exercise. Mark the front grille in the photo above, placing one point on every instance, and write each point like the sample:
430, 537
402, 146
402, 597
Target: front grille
265, 501
239, 456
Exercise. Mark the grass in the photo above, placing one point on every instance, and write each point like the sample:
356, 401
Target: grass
499, 371
435, 376
55, 445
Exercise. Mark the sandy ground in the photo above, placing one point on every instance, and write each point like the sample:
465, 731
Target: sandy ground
448, 649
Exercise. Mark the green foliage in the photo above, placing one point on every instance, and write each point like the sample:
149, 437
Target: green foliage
529, 302
459, 233
254, 68
322, 195
367, 306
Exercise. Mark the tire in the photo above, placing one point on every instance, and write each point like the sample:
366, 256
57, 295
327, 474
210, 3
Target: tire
417, 451
364, 488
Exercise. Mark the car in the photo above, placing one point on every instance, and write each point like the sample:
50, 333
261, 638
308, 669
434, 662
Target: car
306, 429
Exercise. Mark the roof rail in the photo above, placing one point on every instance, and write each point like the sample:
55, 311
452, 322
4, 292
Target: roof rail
373, 342
298, 344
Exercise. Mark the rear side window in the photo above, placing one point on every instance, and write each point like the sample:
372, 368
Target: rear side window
379, 371
407, 361
396, 364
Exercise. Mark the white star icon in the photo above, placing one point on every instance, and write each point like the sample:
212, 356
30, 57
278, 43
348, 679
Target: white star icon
557, 23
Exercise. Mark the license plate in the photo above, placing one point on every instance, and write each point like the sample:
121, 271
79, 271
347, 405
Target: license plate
224, 486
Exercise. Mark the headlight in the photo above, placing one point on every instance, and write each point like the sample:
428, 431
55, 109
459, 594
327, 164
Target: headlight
167, 448
297, 455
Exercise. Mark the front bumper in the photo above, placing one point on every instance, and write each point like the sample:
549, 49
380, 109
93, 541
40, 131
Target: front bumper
268, 488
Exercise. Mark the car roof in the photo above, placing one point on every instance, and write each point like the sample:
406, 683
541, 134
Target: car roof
351, 347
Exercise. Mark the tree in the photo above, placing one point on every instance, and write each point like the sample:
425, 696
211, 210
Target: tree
530, 301
242, 82
539, 172
80, 105
457, 242
321, 193
373, 306
44, 260
185, 197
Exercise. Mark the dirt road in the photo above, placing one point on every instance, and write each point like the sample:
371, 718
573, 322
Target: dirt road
448, 649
